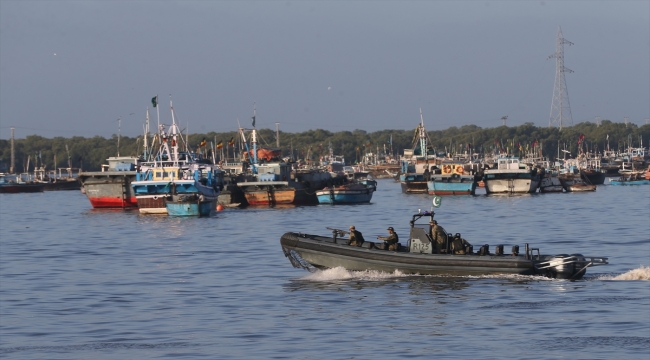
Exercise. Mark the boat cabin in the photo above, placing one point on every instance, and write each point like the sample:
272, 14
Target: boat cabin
274, 172
510, 164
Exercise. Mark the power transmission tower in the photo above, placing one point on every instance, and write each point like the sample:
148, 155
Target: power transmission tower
504, 118
626, 119
597, 121
560, 107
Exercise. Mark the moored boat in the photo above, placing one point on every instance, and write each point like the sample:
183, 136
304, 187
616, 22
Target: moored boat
416, 162
314, 252
111, 187
354, 193
550, 183
511, 176
630, 177
451, 179
11, 184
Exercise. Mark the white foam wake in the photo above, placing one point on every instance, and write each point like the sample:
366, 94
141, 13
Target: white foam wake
339, 273
642, 273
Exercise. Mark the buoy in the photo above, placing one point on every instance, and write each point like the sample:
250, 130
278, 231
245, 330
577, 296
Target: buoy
219, 207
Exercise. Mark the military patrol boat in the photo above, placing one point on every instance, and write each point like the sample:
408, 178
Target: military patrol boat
313, 252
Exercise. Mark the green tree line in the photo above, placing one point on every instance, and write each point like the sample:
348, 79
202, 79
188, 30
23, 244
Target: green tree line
90, 153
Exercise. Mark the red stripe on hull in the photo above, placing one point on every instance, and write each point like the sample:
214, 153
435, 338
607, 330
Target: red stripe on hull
108, 202
445, 193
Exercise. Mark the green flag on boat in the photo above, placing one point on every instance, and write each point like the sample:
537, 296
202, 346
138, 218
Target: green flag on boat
154, 101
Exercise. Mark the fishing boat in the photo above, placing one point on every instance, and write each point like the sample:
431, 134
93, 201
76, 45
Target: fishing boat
111, 187
354, 193
550, 183
578, 185
275, 182
631, 177
11, 184
451, 179
176, 177
416, 162
511, 176
313, 252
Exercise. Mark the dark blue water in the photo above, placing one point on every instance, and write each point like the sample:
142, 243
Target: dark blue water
77, 283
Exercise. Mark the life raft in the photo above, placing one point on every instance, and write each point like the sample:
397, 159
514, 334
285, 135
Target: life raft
446, 169
458, 169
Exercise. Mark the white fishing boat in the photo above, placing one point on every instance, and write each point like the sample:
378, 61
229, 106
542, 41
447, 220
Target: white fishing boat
511, 176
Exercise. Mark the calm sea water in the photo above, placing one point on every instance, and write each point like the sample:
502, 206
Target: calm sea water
77, 283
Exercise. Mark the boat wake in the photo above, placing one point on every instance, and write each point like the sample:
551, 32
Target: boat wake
339, 273
642, 273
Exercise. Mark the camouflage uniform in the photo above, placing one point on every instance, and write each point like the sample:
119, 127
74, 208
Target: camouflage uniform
438, 237
458, 245
356, 239
391, 240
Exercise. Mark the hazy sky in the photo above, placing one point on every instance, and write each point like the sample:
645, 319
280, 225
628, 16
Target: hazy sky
71, 68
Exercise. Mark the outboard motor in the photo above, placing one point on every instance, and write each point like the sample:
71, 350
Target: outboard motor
498, 250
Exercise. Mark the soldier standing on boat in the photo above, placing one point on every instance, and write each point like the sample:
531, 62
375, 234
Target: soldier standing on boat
437, 236
356, 239
391, 240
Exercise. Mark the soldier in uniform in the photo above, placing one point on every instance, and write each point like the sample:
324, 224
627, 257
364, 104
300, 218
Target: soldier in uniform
356, 239
391, 240
438, 236
459, 244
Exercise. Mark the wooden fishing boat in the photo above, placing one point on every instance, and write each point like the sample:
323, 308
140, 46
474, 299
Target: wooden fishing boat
631, 177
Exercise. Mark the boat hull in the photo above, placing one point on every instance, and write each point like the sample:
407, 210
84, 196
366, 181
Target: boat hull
332, 196
63, 184
21, 188
278, 193
152, 204
322, 252
452, 185
593, 177
551, 184
510, 184
109, 189
180, 207
414, 187
629, 182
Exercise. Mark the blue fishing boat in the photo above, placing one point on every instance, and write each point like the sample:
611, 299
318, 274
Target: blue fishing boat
630, 178
354, 193
173, 172
451, 179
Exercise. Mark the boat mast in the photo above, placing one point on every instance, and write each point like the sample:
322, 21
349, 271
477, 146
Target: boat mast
13, 159
423, 136
146, 134
119, 127
254, 135
174, 133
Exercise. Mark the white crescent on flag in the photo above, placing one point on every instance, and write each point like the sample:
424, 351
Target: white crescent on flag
437, 201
